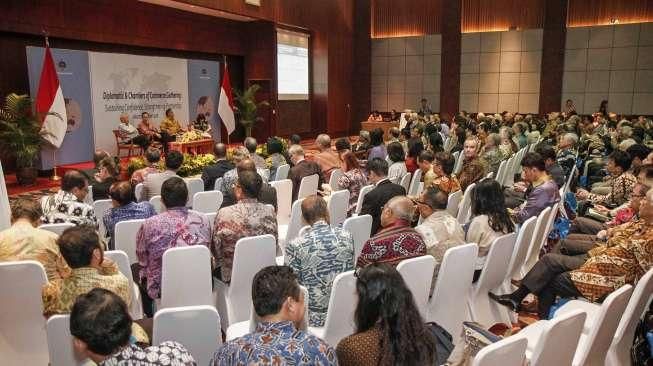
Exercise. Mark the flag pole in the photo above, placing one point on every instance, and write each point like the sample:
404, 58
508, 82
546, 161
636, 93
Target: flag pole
224, 59
55, 177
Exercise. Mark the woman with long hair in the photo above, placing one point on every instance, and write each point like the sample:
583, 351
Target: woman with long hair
389, 327
377, 146
396, 157
490, 219
415, 147
352, 179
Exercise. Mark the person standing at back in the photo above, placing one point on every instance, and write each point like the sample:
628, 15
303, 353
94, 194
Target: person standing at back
383, 191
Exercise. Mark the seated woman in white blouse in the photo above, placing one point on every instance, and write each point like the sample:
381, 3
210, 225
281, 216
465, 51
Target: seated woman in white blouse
396, 160
490, 219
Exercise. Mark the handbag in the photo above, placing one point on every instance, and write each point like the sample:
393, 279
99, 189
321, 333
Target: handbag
444, 342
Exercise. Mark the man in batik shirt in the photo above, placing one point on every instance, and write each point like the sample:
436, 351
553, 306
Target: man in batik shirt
319, 256
68, 205
278, 339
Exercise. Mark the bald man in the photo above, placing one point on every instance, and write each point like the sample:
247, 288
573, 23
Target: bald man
397, 240
217, 170
326, 158
129, 134
267, 193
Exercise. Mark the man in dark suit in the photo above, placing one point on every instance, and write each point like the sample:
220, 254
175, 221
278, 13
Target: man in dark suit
302, 168
376, 198
267, 194
217, 170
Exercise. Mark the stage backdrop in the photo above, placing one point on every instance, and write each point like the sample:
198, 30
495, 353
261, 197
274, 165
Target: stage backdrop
98, 87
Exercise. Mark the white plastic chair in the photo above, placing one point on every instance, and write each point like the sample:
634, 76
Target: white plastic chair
125, 239
211, 216
501, 172
453, 202
333, 180
99, 208
287, 233
250, 256
60, 342
446, 306
524, 238
22, 325
282, 172
339, 321
308, 186
284, 200
405, 181
482, 309
207, 202
249, 326
122, 261
157, 203
194, 185
413, 189
338, 205
361, 197
490, 175
139, 194
56, 228
460, 158
532, 255
89, 196
506, 352
595, 341
360, 228
418, 274
553, 342
465, 208
217, 184
183, 284
195, 327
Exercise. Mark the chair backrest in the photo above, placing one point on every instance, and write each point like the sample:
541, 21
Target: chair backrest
194, 185
184, 285
495, 269
217, 184
360, 228
490, 175
460, 158
125, 239
338, 206
405, 181
333, 180
211, 216
295, 223
284, 199
413, 189
537, 241
22, 325
361, 196
418, 273
56, 228
195, 327
623, 338
308, 186
60, 342
207, 202
559, 339
453, 202
464, 211
157, 203
139, 194
122, 261
254, 319
282, 172
99, 208
447, 305
509, 175
522, 243
89, 196
339, 321
593, 350
501, 172
506, 352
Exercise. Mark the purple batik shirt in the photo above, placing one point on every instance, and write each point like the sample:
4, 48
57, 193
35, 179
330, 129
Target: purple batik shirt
544, 194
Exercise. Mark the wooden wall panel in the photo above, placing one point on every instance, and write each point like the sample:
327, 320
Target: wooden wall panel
391, 18
553, 55
450, 61
600, 12
500, 15
362, 78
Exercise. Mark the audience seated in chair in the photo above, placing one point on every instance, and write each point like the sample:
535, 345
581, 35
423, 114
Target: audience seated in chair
396, 160
68, 205
176, 226
280, 303
24, 241
248, 217
327, 159
152, 156
217, 170
443, 177
124, 208
352, 179
396, 241
625, 258
98, 155
154, 181
267, 194
302, 168
542, 193
389, 328
473, 168
383, 191
492, 156
621, 184
101, 328
318, 256
553, 169
107, 175
251, 145
275, 157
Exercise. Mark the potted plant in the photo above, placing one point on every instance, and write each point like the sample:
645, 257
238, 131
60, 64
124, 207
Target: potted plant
247, 107
20, 134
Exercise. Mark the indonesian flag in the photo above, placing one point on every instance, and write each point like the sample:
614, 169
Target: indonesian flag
226, 104
50, 100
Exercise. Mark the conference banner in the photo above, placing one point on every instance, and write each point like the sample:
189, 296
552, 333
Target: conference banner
133, 84
204, 87
73, 72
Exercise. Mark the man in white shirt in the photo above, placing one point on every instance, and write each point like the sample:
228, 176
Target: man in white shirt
129, 134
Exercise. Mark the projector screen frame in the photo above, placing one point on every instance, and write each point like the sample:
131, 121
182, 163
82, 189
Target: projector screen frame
308, 35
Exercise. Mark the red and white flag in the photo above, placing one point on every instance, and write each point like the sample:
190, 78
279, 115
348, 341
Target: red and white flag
50, 103
226, 104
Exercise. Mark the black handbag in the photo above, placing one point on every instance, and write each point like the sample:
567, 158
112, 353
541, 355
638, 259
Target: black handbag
640, 353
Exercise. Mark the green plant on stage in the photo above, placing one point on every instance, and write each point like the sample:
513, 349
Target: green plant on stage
247, 107
194, 164
20, 130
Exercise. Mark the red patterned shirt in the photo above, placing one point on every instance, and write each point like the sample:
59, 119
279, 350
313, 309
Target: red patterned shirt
392, 244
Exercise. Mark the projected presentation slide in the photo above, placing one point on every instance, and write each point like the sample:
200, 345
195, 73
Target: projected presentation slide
292, 70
